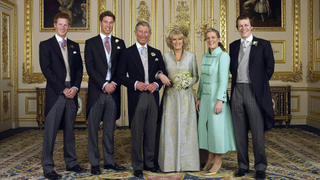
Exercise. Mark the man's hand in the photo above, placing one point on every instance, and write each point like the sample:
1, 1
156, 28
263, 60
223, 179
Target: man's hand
109, 88
70, 93
152, 87
141, 86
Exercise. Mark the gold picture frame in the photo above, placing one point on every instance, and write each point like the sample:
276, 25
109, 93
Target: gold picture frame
78, 10
267, 15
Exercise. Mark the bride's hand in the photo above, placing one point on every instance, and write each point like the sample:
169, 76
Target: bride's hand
164, 79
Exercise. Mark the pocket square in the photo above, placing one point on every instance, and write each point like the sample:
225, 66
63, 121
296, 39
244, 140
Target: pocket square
74, 52
118, 47
156, 59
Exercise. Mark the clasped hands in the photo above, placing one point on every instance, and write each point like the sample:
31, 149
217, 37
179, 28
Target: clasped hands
146, 87
109, 88
70, 92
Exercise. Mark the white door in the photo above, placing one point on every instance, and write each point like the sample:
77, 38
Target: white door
7, 72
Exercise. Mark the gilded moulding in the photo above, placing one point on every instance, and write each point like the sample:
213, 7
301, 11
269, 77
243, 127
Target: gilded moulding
143, 12
296, 74
6, 104
26, 100
283, 50
312, 97
298, 103
313, 76
5, 56
224, 22
101, 8
13, 7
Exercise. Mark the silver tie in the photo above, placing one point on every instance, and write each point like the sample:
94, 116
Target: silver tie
144, 52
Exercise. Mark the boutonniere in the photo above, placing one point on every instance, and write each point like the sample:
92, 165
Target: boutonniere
117, 40
255, 43
71, 46
153, 54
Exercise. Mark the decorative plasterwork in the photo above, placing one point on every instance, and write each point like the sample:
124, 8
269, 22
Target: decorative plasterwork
298, 103
6, 104
282, 50
311, 107
13, 8
224, 23
5, 46
143, 12
27, 105
313, 76
296, 74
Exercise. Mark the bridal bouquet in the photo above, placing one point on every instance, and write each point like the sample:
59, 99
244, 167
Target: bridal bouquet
182, 80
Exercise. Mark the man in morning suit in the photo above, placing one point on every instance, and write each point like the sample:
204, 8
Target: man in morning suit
251, 66
102, 55
142, 62
61, 65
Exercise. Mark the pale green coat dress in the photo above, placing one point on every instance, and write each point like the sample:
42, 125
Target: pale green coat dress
215, 130
178, 147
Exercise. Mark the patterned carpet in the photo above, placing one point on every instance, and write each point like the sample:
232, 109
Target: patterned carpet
291, 154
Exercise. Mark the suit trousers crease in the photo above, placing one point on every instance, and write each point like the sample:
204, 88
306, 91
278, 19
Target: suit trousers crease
144, 124
65, 109
246, 115
104, 109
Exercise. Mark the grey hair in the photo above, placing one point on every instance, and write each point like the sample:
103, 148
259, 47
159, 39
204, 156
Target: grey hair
142, 23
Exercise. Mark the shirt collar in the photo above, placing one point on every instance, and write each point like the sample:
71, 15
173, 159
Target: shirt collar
249, 39
59, 39
104, 36
140, 46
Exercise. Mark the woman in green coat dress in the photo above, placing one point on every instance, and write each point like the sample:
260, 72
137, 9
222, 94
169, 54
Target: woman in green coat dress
215, 127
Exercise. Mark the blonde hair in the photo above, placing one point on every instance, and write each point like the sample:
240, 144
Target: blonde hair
181, 32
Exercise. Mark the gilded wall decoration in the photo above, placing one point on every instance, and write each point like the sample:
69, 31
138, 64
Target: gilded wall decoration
143, 12
313, 104
296, 74
313, 75
279, 50
298, 103
6, 104
5, 44
317, 41
27, 99
224, 23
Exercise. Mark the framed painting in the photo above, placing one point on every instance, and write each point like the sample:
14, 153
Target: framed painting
78, 10
267, 15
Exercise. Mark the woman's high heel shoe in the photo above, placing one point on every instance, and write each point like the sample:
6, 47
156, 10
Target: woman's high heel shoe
213, 173
209, 167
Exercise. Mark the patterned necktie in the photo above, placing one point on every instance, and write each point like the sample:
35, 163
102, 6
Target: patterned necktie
144, 52
107, 45
63, 45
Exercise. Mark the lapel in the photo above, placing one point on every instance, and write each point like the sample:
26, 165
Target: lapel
151, 59
236, 52
56, 47
136, 58
99, 44
113, 48
70, 47
253, 51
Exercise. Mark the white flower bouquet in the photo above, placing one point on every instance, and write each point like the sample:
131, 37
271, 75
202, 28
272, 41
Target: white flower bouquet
182, 80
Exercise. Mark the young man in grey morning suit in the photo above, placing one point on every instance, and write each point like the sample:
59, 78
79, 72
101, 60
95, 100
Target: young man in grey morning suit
251, 66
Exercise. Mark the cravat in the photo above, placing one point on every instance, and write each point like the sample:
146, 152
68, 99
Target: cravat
243, 48
144, 52
107, 44
63, 45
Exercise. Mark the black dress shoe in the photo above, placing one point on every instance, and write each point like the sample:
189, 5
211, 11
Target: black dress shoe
138, 173
241, 172
153, 169
260, 175
95, 170
52, 176
76, 169
114, 167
